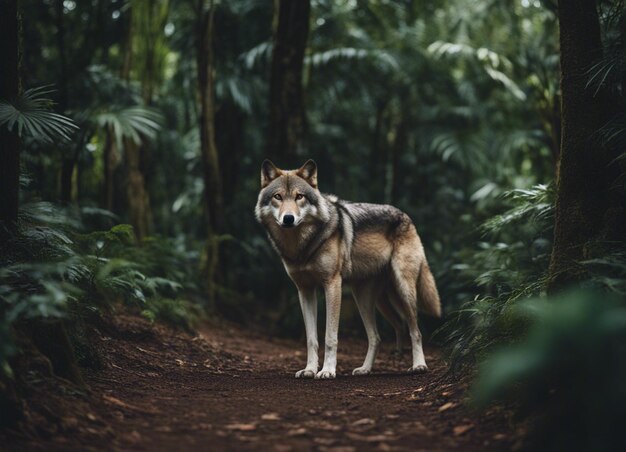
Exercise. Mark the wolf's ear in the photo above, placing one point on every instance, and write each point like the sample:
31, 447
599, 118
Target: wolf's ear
269, 172
308, 172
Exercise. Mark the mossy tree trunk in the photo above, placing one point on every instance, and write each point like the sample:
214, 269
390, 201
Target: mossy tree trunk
587, 206
287, 114
148, 24
213, 193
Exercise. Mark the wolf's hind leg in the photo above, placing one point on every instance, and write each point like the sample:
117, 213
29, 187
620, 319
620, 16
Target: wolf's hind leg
365, 296
308, 303
397, 322
405, 268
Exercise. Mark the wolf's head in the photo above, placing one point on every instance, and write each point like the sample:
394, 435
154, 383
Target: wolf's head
290, 198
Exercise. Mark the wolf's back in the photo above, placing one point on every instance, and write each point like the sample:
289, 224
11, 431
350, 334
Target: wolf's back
427, 295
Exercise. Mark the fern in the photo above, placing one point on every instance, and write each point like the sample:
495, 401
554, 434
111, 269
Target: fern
50, 269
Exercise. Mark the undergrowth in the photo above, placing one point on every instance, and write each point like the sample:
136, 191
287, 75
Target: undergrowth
509, 264
51, 268
558, 360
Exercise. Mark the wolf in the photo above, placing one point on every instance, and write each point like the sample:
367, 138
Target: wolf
324, 242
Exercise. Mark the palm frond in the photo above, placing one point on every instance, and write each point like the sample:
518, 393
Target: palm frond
492, 63
350, 54
136, 123
31, 115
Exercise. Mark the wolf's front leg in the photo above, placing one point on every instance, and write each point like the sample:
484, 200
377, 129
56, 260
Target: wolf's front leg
332, 291
308, 303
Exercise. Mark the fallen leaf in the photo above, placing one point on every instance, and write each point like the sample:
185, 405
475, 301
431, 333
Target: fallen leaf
179, 362
446, 406
461, 429
297, 432
324, 425
391, 394
117, 402
241, 427
364, 421
271, 417
368, 439
325, 441
338, 449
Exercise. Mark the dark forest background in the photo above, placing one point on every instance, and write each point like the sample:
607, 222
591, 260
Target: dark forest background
132, 133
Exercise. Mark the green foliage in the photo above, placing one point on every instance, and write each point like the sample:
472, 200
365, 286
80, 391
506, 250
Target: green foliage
51, 270
568, 368
31, 115
510, 267
129, 122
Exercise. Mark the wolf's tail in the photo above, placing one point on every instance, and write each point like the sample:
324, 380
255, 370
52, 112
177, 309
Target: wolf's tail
427, 296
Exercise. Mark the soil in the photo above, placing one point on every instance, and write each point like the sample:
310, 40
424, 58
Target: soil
230, 389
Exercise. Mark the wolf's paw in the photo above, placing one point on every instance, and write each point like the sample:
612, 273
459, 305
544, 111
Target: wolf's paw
361, 371
420, 369
305, 373
325, 375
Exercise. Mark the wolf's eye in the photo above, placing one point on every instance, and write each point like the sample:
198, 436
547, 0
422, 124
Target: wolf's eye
299, 196
277, 196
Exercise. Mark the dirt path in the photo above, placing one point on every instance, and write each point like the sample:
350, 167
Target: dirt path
233, 390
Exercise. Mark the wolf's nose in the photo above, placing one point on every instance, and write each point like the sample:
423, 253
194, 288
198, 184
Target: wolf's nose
288, 220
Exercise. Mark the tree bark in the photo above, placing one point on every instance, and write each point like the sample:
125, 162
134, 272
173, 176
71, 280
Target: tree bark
376, 176
138, 196
9, 91
11, 410
214, 209
585, 173
399, 145
287, 114
68, 162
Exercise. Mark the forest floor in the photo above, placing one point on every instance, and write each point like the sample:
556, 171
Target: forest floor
230, 389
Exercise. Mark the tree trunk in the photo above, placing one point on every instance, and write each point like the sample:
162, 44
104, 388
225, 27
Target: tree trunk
376, 180
11, 410
229, 124
210, 157
585, 172
399, 145
51, 338
68, 162
9, 91
287, 115
111, 160
67, 173
138, 197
